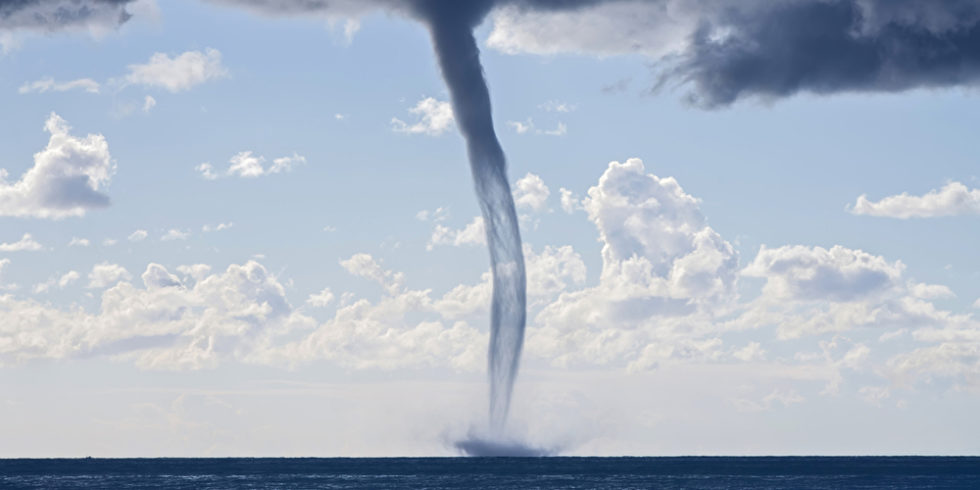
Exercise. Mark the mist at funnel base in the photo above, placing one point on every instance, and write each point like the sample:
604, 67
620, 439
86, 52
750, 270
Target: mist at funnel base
489, 447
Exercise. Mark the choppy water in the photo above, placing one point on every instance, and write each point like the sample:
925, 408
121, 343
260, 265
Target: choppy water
683, 472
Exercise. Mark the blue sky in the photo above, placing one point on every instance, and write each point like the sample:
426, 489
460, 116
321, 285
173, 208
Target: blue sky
718, 289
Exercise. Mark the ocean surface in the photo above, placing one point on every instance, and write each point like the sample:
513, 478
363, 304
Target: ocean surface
553, 472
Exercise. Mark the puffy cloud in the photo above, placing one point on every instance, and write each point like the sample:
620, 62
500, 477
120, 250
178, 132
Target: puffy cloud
552, 271
569, 201
68, 278
560, 130
665, 294
194, 319
175, 234
959, 361
524, 127
753, 351
404, 329
321, 299
138, 236
466, 299
530, 192
218, 227
285, 164
953, 199
647, 223
49, 84
812, 290
815, 273
521, 127
605, 28
156, 276
365, 266
930, 291
179, 73
166, 325
149, 103
434, 118
473, 233
66, 179
61, 282
246, 164
664, 272
105, 274
363, 335
197, 272
207, 171
25, 244
437, 215
79, 242
329, 7
557, 106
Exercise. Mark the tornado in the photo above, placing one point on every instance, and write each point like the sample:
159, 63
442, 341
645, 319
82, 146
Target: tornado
451, 26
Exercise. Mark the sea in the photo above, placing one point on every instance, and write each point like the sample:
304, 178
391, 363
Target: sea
540, 472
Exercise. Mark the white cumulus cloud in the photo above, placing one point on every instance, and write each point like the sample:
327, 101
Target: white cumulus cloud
67, 178
531, 192
321, 299
79, 242
106, 274
569, 201
149, 103
953, 199
179, 73
607, 28
434, 118
175, 234
364, 265
247, 164
61, 282
25, 244
218, 227
837, 274
473, 233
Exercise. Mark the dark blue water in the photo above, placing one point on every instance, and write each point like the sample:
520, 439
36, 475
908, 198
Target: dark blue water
683, 472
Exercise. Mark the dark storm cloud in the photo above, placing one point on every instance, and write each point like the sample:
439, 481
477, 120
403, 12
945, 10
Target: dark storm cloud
760, 48
53, 15
781, 48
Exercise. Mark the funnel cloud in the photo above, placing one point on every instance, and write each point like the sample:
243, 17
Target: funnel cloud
451, 25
